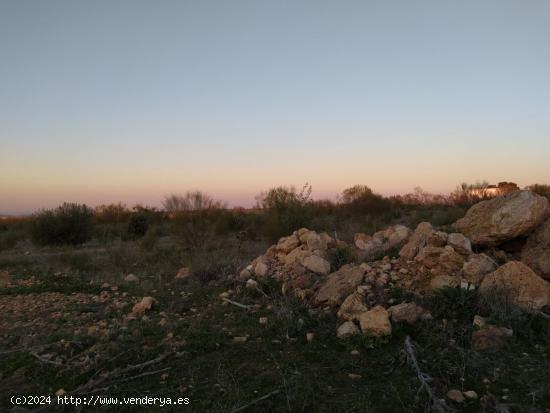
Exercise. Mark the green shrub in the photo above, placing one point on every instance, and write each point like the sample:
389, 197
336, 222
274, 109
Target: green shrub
195, 216
138, 224
68, 224
340, 256
194, 228
286, 210
455, 303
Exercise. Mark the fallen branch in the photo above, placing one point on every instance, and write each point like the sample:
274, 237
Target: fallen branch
44, 360
246, 307
137, 376
91, 384
437, 405
253, 402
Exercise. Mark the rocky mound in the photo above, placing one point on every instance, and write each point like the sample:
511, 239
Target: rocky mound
428, 259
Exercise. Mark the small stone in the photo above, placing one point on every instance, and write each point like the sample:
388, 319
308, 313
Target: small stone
263, 320
355, 352
455, 395
60, 392
183, 272
240, 339
376, 322
470, 394
310, 337
355, 376
252, 284
131, 278
144, 305
479, 321
347, 329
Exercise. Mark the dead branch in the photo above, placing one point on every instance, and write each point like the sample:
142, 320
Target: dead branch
91, 384
246, 307
437, 405
107, 386
44, 360
259, 399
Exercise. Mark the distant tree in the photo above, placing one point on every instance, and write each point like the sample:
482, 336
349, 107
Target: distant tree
111, 213
138, 225
195, 216
360, 199
285, 209
191, 201
421, 197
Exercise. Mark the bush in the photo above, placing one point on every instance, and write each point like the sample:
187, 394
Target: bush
138, 224
454, 303
286, 210
340, 256
540, 189
68, 224
360, 199
195, 216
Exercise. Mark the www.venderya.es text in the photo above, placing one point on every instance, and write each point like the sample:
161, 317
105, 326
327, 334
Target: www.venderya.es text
98, 400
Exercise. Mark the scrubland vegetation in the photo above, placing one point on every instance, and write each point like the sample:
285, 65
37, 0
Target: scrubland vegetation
70, 298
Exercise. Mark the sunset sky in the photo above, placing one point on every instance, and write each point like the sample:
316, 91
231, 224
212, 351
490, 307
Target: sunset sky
107, 101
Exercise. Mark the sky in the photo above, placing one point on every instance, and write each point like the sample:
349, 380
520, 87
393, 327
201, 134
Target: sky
130, 100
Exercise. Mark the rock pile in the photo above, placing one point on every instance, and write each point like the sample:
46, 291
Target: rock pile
428, 259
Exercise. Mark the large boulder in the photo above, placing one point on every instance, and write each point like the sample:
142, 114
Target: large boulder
297, 255
489, 223
382, 242
361, 240
311, 240
376, 322
397, 236
352, 307
536, 252
316, 264
477, 267
287, 244
339, 285
460, 243
490, 337
517, 284
327, 240
417, 241
261, 268
438, 239
406, 313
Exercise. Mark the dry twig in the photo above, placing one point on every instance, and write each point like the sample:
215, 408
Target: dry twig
436, 405
246, 307
259, 399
